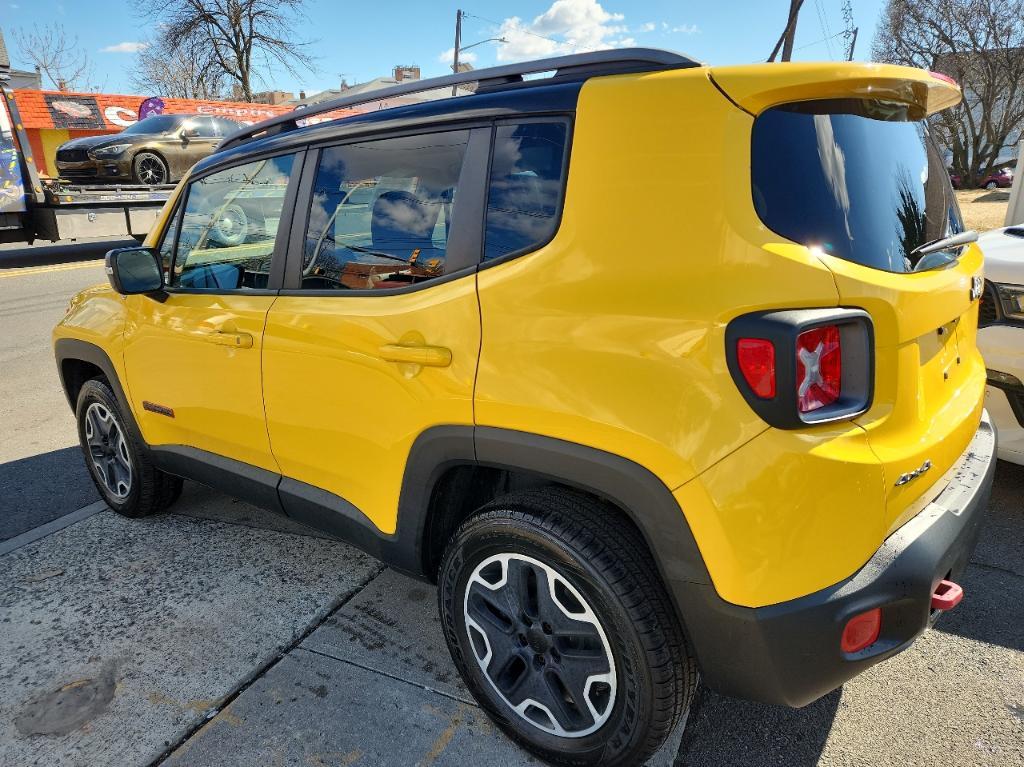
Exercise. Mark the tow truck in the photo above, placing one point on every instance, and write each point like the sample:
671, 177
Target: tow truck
34, 207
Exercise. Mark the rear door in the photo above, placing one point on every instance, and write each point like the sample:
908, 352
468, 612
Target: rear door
862, 184
376, 335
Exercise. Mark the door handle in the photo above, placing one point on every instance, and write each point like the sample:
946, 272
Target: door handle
234, 340
430, 356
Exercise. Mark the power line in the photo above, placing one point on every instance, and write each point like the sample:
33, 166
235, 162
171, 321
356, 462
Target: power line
520, 29
822, 40
823, 23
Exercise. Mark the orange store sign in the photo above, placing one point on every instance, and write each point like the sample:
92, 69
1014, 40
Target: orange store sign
47, 110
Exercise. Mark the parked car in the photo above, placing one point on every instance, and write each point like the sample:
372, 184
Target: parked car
157, 150
1001, 336
955, 179
1001, 179
631, 436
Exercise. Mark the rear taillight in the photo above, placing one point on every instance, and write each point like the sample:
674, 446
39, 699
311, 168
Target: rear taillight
819, 368
799, 367
756, 358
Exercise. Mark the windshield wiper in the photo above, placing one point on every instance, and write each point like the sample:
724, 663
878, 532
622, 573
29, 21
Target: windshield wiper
945, 243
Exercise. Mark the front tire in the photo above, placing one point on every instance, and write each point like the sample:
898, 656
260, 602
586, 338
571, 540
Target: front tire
991, 185
120, 468
560, 626
149, 169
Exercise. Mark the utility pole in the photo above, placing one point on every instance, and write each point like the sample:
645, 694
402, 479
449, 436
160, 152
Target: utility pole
458, 44
853, 43
788, 34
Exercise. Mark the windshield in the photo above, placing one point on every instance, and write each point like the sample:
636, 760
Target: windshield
859, 179
155, 125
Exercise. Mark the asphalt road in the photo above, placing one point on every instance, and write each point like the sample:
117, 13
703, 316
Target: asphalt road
221, 634
41, 471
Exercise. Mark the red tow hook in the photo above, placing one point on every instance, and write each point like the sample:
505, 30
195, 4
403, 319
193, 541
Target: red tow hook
947, 596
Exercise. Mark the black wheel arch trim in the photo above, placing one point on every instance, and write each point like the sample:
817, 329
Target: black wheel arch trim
76, 350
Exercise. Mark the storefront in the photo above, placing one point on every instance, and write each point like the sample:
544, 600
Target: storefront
51, 117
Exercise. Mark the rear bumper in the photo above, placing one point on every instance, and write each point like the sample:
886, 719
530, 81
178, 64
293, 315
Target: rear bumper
789, 653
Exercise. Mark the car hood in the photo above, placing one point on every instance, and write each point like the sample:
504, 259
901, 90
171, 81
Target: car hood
94, 142
1004, 255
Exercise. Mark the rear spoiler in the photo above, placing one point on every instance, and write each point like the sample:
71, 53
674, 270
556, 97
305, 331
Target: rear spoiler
757, 87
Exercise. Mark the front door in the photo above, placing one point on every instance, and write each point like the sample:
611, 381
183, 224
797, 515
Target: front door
193, 360
375, 338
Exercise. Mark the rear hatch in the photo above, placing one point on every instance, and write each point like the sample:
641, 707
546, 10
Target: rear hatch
842, 162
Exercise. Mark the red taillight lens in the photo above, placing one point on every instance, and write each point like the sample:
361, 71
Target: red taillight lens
861, 631
819, 368
756, 358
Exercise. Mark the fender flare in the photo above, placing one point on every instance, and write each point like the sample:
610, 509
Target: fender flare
65, 349
647, 501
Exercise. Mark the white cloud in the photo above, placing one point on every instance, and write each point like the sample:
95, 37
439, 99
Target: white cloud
568, 26
648, 27
466, 57
686, 29
124, 48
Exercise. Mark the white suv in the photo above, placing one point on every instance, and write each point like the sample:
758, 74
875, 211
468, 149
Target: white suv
1001, 336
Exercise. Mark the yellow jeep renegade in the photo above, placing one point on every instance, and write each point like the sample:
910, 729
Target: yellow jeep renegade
653, 367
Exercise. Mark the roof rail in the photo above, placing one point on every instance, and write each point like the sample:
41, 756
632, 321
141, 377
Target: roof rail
617, 61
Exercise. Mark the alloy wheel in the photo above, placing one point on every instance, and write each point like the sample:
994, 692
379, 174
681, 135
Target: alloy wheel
151, 170
108, 450
540, 645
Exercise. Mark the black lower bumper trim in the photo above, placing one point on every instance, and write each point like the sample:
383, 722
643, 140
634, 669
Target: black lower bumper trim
789, 653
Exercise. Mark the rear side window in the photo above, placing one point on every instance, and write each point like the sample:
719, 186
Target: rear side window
381, 212
527, 182
859, 179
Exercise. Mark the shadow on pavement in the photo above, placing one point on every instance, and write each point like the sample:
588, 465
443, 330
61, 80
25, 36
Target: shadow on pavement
46, 253
39, 489
727, 731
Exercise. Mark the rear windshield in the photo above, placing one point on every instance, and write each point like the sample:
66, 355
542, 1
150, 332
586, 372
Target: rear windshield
859, 179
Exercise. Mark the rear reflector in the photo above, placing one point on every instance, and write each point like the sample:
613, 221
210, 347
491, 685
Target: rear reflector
819, 368
947, 596
861, 631
756, 359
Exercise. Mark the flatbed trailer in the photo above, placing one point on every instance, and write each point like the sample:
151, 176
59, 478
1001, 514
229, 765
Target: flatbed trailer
34, 208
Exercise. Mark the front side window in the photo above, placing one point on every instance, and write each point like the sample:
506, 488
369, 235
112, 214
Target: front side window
228, 229
381, 212
859, 179
525, 189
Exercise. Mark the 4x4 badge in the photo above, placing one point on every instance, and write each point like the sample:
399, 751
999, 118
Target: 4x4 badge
911, 475
977, 285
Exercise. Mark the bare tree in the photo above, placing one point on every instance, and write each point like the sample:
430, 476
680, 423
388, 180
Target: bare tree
233, 31
57, 55
188, 71
980, 44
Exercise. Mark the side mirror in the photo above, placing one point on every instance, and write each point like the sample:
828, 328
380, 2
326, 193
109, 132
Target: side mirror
134, 270
187, 133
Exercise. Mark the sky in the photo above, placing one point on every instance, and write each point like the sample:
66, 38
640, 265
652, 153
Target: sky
358, 41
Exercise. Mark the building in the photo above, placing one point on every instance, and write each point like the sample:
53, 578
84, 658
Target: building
53, 117
274, 98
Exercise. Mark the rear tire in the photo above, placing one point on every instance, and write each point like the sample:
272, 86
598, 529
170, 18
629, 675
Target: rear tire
586, 666
991, 185
119, 466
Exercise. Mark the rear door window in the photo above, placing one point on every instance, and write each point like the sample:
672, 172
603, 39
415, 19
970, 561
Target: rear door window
860, 179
